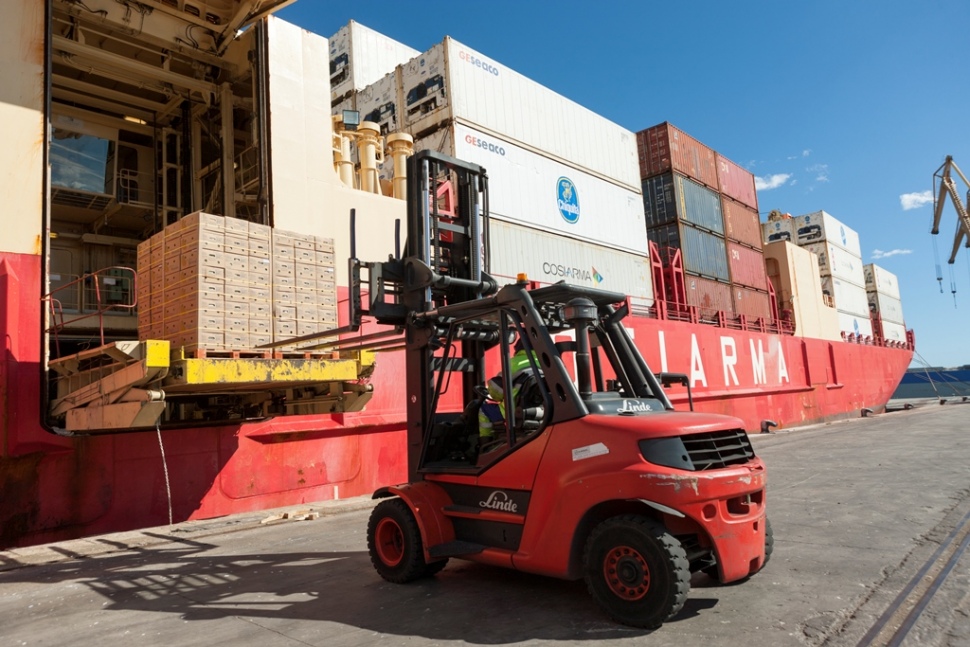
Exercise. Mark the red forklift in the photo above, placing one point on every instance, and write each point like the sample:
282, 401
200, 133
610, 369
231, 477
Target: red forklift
591, 473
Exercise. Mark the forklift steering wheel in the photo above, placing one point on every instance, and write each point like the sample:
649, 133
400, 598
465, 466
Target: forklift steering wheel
481, 392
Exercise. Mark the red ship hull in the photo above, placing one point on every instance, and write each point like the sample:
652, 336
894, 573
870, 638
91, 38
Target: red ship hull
57, 488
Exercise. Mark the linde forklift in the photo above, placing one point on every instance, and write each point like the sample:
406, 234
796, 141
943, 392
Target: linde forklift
591, 474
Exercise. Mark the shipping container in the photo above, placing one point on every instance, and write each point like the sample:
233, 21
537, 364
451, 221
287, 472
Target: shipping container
741, 223
672, 196
709, 297
859, 325
889, 308
821, 226
774, 231
893, 331
838, 262
846, 297
663, 148
360, 56
451, 82
549, 258
703, 253
793, 273
746, 266
753, 304
736, 182
881, 280
379, 101
543, 193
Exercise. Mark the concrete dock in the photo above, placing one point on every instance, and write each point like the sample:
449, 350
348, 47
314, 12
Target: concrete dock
871, 520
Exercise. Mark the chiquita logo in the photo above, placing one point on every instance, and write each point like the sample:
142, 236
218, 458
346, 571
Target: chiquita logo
499, 500
568, 200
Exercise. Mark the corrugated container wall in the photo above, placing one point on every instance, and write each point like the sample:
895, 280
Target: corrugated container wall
753, 304
777, 230
671, 196
703, 253
881, 280
837, 262
549, 258
747, 266
847, 297
889, 308
736, 182
820, 226
360, 56
741, 223
664, 148
893, 331
542, 193
861, 326
709, 296
452, 82
379, 101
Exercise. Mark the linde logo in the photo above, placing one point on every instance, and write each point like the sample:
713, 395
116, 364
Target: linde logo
499, 500
568, 200
634, 407
478, 142
479, 63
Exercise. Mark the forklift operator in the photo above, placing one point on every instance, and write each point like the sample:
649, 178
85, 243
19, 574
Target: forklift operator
492, 412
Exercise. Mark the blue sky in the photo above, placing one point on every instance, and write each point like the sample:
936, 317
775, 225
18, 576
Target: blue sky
841, 106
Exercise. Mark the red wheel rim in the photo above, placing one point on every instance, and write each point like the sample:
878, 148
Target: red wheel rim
626, 573
389, 541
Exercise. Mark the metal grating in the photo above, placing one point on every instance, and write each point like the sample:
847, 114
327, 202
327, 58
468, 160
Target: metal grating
718, 449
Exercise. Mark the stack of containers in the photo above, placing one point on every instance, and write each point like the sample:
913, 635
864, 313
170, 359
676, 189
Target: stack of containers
882, 289
703, 204
223, 284
561, 178
359, 56
840, 265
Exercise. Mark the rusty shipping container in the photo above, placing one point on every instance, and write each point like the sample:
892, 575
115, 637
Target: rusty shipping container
671, 197
747, 266
741, 223
664, 148
736, 182
709, 297
753, 304
703, 253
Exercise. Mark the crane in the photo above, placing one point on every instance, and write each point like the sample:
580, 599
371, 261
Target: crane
948, 187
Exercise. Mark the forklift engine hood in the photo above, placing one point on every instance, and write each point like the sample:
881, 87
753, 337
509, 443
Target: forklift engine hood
632, 415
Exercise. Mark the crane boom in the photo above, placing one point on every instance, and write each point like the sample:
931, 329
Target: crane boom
948, 187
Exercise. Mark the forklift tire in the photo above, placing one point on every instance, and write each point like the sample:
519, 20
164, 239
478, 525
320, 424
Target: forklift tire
394, 543
636, 571
711, 571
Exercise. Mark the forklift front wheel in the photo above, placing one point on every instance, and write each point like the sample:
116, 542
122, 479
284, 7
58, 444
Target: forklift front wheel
636, 571
394, 543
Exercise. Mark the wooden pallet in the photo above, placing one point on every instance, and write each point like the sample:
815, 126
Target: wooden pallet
191, 352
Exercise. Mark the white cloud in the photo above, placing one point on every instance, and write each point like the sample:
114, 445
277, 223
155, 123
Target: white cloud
878, 253
915, 200
821, 172
767, 182
806, 152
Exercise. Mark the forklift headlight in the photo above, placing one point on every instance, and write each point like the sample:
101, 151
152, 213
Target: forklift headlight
669, 452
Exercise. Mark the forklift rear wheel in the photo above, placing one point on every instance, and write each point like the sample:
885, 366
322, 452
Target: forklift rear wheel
636, 571
394, 542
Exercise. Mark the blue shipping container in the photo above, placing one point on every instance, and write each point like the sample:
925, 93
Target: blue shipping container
671, 197
703, 253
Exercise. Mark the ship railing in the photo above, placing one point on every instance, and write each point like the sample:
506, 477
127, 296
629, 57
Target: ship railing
92, 295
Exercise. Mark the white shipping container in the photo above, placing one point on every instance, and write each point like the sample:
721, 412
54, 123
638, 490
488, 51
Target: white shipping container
893, 331
542, 193
881, 280
379, 102
846, 297
889, 308
453, 82
360, 56
837, 262
775, 230
822, 226
548, 258
861, 326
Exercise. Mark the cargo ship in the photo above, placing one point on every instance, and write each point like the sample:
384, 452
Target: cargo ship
180, 196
